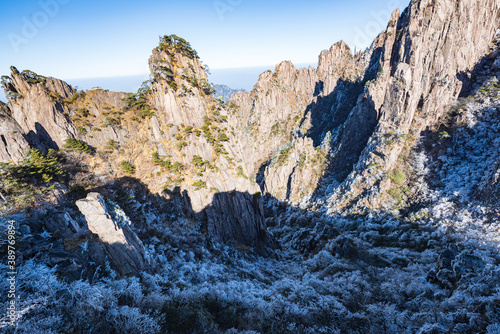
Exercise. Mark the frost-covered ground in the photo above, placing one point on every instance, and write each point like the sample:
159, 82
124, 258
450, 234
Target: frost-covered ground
330, 275
433, 269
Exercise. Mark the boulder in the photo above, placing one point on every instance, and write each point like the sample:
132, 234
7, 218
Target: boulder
123, 248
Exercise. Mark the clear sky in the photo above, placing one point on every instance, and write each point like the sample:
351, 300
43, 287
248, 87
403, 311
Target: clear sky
71, 39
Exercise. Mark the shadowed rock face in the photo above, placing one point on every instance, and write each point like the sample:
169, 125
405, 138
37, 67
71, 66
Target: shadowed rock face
424, 52
237, 217
122, 247
301, 133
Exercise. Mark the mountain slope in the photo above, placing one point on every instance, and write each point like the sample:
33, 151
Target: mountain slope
361, 196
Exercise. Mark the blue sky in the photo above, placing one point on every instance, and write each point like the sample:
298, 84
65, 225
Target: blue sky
72, 39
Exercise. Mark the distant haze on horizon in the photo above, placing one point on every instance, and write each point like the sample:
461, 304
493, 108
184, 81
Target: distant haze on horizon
236, 78
108, 42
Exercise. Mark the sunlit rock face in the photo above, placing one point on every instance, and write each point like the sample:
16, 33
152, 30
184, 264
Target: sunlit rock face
12, 144
123, 248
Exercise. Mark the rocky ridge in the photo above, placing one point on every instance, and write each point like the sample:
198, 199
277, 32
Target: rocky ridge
360, 196
300, 136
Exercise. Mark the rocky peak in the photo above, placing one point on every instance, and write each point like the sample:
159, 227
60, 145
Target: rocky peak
34, 104
180, 89
426, 52
23, 82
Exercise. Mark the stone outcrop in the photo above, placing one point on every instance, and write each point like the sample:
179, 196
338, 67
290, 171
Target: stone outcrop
34, 106
12, 144
180, 83
425, 53
124, 249
360, 109
328, 133
237, 217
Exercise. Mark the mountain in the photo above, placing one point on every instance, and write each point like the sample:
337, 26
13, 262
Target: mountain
225, 92
360, 196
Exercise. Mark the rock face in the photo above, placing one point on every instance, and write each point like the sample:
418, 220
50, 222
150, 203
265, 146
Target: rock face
191, 127
124, 250
424, 52
290, 116
180, 83
333, 133
237, 217
12, 144
225, 92
360, 109
33, 104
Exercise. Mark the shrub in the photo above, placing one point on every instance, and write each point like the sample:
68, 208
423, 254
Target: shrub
34, 167
156, 159
283, 155
76, 145
112, 145
173, 85
138, 101
198, 161
199, 185
33, 78
275, 129
302, 160
223, 137
169, 43
396, 194
176, 167
127, 167
241, 173
397, 176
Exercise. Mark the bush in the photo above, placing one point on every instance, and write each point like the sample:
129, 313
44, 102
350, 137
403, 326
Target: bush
156, 159
199, 185
139, 103
34, 167
173, 85
169, 43
33, 78
127, 167
223, 137
283, 155
241, 173
397, 176
112, 145
76, 145
198, 161
396, 194
176, 167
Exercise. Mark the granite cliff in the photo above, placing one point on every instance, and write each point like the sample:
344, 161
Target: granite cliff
367, 186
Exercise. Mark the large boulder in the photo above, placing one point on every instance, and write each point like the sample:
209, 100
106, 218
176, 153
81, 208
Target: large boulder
124, 250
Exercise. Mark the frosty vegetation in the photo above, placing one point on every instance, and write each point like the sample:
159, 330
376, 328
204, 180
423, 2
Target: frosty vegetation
434, 268
434, 271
